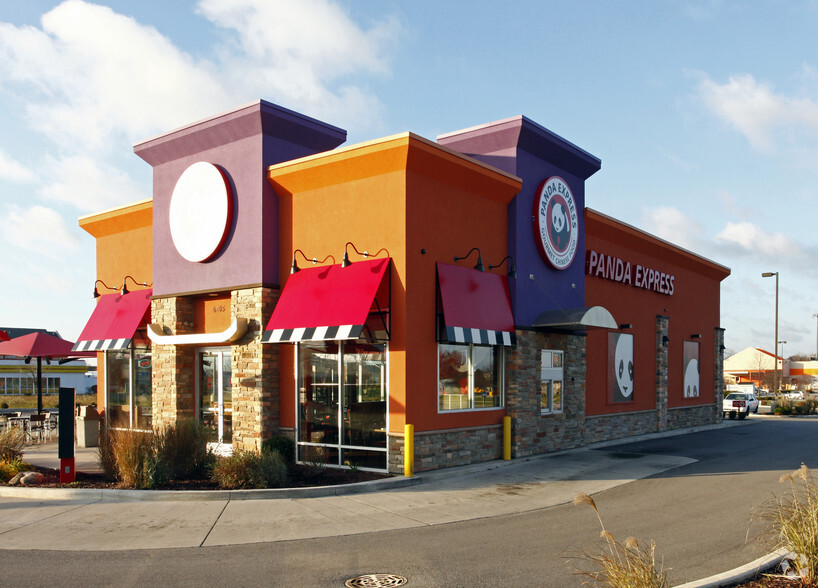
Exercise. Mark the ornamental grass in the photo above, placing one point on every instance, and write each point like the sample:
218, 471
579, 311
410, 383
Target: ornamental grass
139, 459
12, 442
247, 469
792, 522
622, 565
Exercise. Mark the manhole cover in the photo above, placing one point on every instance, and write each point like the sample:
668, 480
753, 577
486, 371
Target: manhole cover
376, 581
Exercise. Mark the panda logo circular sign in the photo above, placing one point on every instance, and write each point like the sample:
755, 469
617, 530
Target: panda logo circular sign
556, 224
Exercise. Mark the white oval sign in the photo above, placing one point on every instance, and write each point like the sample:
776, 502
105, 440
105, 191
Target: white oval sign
201, 211
556, 223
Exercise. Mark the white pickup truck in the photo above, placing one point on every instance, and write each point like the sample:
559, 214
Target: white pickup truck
739, 404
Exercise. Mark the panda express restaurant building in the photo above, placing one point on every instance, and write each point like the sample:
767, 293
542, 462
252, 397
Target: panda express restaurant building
277, 283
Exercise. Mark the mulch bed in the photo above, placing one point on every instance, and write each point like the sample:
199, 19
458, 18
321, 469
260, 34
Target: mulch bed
299, 476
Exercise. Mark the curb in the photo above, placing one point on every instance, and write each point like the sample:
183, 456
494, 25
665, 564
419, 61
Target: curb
741, 573
117, 495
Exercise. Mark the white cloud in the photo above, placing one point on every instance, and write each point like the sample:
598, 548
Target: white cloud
673, 225
13, 170
101, 75
89, 185
759, 113
747, 239
39, 229
301, 53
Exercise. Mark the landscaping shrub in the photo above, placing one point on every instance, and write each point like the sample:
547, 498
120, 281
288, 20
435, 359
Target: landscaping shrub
623, 564
145, 460
282, 445
12, 441
792, 522
808, 406
784, 406
182, 449
105, 454
136, 460
245, 469
12, 467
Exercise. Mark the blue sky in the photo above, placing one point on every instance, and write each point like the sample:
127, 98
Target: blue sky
704, 114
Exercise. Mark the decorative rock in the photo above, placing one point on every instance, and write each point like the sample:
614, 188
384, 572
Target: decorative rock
32, 479
27, 479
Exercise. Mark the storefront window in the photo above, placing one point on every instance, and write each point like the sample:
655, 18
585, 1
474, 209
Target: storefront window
469, 376
342, 397
551, 379
123, 409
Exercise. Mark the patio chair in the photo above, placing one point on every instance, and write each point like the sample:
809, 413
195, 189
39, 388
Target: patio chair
36, 427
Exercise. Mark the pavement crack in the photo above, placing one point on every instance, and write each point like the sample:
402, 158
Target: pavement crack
213, 526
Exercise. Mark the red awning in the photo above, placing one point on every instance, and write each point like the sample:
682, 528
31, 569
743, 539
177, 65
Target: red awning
114, 321
476, 306
326, 303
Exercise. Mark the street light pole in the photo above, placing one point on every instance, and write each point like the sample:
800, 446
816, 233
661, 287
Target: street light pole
815, 315
782, 343
775, 355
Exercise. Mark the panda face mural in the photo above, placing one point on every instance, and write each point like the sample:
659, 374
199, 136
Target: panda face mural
691, 367
621, 367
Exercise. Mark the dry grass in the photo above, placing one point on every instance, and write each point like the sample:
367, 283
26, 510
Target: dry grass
622, 565
50, 401
792, 522
12, 442
144, 460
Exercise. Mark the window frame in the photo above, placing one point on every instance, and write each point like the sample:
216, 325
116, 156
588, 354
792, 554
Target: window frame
130, 387
551, 374
498, 352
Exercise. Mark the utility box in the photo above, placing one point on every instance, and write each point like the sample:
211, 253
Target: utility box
87, 427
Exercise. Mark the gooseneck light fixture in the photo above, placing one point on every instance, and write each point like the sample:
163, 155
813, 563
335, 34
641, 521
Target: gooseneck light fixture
125, 288
479, 265
295, 269
775, 355
96, 292
347, 263
512, 272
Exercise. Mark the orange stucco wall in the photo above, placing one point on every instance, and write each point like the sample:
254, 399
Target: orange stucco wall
692, 309
404, 194
124, 239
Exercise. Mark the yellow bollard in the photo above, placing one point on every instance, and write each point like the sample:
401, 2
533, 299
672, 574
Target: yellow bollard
409, 451
507, 438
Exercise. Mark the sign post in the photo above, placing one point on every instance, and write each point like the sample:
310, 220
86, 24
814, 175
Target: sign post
65, 446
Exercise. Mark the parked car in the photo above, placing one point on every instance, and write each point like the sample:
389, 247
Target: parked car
794, 395
739, 404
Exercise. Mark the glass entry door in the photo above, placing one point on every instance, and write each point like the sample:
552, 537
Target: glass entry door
214, 392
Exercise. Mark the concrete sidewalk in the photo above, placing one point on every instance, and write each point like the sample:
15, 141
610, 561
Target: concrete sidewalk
51, 518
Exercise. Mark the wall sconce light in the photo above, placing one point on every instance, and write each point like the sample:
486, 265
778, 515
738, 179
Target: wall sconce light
626, 326
96, 292
665, 340
512, 272
479, 265
295, 269
125, 288
347, 263
696, 336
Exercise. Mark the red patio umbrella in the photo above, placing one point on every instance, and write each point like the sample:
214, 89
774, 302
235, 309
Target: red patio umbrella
40, 345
